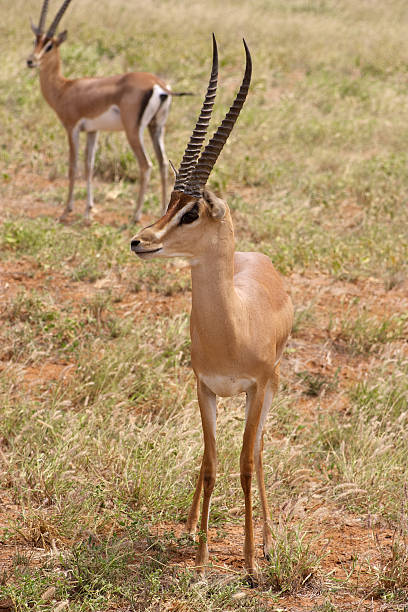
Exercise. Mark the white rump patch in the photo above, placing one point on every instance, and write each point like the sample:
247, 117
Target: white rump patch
109, 121
152, 107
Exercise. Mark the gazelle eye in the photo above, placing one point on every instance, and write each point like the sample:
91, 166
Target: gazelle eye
48, 47
190, 216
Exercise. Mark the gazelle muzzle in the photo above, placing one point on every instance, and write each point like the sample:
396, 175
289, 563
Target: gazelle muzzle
141, 247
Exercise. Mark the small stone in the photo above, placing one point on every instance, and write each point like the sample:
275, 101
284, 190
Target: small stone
48, 594
239, 595
61, 606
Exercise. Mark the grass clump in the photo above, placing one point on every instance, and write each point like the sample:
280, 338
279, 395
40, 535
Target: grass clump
389, 576
293, 564
34, 326
365, 451
91, 253
318, 384
365, 333
96, 570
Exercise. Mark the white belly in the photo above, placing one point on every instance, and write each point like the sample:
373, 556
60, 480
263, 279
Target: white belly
226, 386
109, 121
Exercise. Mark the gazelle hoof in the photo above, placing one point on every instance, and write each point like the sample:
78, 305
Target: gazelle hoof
251, 580
190, 536
202, 557
65, 216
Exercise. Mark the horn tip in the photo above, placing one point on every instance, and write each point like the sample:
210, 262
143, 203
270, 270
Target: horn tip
248, 55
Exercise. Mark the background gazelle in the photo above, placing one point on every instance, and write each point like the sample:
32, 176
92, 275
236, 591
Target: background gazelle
128, 102
241, 316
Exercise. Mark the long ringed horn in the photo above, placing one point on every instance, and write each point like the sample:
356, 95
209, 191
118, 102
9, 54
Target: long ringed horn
43, 16
57, 19
209, 156
199, 133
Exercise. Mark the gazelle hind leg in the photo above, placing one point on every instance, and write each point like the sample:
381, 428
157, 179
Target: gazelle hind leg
134, 132
254, 412
145, 166
156, 129
134, 129
258, 457
73, 143
91, 142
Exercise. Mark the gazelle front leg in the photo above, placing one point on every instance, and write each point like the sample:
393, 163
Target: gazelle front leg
266, 531
208, 409
73, 142
255, 404
91, 140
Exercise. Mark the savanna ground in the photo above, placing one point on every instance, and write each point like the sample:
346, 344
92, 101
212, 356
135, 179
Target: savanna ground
100, 437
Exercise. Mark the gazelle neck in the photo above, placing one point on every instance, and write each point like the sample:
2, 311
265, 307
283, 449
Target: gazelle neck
212, 274
52, 80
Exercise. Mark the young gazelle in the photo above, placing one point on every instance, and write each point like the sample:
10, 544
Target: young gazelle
241, 316
128, 102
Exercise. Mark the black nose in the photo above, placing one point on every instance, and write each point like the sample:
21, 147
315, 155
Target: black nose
134, 244
30, 63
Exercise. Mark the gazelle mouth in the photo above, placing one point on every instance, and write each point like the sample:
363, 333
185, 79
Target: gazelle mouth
142, 252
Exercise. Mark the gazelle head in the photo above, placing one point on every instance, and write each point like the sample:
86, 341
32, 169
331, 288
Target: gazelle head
46, 43
194, 214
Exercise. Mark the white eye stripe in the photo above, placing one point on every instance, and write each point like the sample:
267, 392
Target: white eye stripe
174, 221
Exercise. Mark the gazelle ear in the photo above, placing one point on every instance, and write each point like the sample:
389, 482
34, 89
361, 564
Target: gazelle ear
216, 206
34, 28
61, 37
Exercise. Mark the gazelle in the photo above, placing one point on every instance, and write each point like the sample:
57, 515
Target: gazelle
128, 102
241, 316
